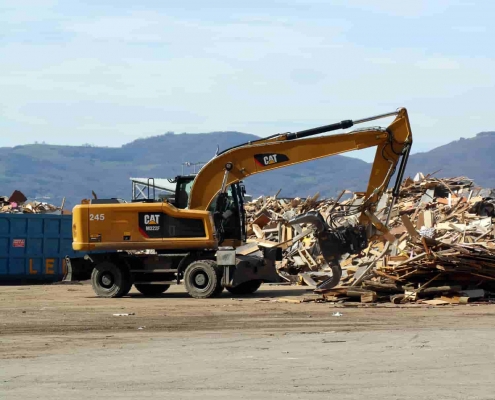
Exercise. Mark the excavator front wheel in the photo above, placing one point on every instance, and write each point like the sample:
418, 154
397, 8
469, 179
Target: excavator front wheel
203, 279
108, 280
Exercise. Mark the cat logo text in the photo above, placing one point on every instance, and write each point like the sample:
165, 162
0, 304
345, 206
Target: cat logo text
152, 222
265, 160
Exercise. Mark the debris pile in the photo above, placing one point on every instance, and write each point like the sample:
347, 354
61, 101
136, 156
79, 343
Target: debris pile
18, 203
268, 227
440, 248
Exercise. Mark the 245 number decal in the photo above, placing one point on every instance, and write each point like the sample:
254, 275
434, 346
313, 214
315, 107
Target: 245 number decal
97, 217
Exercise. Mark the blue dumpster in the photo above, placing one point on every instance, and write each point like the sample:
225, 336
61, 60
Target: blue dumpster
34, 246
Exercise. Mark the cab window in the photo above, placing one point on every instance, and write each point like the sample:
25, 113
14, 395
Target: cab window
182, 193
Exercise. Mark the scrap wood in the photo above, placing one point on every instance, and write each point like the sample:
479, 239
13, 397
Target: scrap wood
288, 300
455, 299
380, 273
439, 228
415, 292
258, 232
17, 203
435, 302
263, 242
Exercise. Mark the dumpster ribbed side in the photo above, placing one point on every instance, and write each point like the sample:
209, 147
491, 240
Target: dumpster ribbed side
34, 246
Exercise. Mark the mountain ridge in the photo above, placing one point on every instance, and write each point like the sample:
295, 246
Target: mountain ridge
52, 172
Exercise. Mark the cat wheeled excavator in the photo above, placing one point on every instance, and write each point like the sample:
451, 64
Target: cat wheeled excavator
196, 238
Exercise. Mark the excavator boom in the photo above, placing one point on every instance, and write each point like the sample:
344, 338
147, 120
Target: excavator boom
293, 148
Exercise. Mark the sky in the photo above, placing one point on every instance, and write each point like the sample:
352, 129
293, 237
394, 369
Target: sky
109, 72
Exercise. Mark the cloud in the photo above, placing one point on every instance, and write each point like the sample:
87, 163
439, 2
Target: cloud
415, 8
471, 29
438, 63
107, 74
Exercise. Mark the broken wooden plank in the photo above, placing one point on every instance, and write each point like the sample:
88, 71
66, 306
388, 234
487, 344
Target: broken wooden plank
409, 226
435, 302
258, 232
369, 297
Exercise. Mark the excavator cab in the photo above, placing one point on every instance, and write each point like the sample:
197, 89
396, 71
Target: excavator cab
234, 223
183, 189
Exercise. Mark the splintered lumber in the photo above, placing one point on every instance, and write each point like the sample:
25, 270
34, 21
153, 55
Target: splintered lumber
258, 232
356, 292
429, 220
382, 287
247, 249
263, 242
440, 230
262, 220
409, 226
380, 273
413, 295
369, 297
288, 300
372, 264
378, 224
440, 289
412, 259
435, 302
455, 299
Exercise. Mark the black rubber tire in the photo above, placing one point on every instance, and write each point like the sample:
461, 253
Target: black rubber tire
151, 290
248, 287
203, 279
118, 281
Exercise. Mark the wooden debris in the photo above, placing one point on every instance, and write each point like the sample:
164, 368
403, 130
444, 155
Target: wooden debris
17, 203
440, 243
369, 297
435, 302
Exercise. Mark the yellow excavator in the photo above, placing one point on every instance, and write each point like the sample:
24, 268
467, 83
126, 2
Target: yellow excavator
195, 238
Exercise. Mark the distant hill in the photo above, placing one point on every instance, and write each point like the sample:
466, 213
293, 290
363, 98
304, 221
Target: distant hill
50, 172
473, 158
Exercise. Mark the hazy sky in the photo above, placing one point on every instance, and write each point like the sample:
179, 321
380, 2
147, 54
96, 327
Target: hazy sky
107, 72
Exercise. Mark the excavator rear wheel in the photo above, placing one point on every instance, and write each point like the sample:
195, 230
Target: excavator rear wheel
203, 279
108, 280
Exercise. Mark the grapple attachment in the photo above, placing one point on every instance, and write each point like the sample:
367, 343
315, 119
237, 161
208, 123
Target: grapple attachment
334, 243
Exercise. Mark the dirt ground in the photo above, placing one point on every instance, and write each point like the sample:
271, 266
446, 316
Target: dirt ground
61, 342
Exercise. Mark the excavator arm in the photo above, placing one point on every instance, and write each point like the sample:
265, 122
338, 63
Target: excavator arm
392, 145
289, 149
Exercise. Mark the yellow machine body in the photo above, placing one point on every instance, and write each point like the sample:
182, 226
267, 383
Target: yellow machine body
129, 226
140, 226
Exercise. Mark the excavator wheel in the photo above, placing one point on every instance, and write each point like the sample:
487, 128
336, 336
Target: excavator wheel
151, 290
248, 287
108, 280
203, 279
